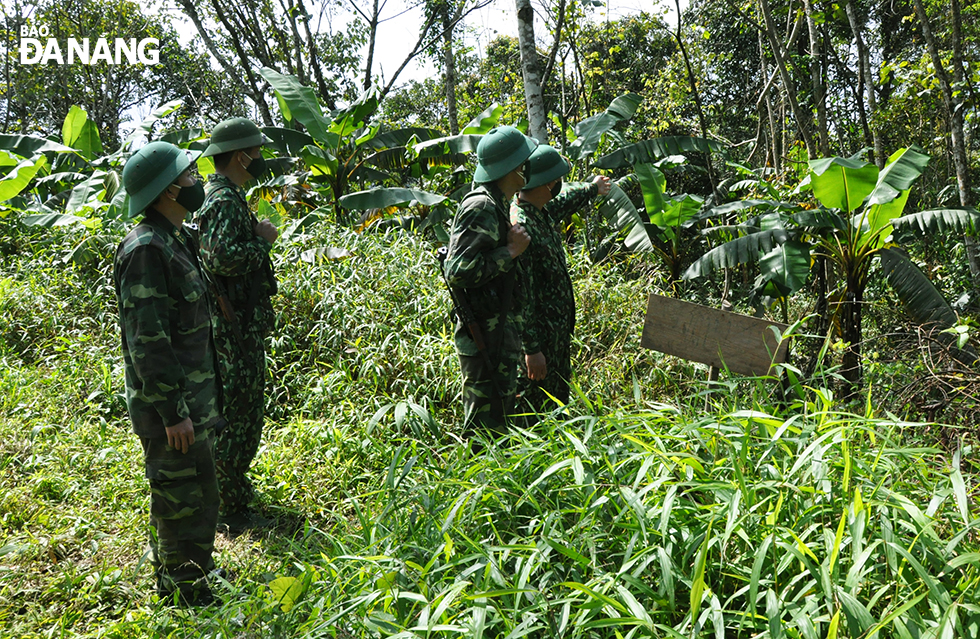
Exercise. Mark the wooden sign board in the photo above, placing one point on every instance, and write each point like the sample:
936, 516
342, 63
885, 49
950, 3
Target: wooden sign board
698, 333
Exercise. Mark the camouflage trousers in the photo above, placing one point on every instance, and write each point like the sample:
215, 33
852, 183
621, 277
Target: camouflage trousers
183, 511
243, 396
557, 350
488, 395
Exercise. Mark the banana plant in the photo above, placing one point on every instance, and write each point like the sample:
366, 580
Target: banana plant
344, 149
858, 205
661, 225
438, 155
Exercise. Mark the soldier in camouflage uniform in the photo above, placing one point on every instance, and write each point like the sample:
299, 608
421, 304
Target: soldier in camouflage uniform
481, 267
549, 309
235, 252
171, 388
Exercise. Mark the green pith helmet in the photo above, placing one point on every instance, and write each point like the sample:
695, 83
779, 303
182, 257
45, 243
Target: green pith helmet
501, 151
234, 134
545, 165
151, 170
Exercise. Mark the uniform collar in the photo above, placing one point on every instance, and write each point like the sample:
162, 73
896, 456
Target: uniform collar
220, 180
158, 220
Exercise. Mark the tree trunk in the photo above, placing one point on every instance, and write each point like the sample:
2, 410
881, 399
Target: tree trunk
802, 118
851, 334
372, 41
765, 101
531, 66
956, 133
867, 80
816, 81
450, 60
697, 101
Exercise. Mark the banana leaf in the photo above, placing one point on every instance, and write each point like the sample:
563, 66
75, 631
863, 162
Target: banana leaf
146, 126
184, 137
88, 194
381, 198
918, 294
298, 102
820, 219
965, 220
626, 218
787, 266
741, 250
589, 131
347, 121
17, 180
448, 146
362, 173
389, 159
289, 142
902, 169
842, 183
482, 123
30, 146
655, 149
320, 162
401, 137
81, 134
48, 220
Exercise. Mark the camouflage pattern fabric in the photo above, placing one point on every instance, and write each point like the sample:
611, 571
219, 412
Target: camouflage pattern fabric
183, 512
549, 309
165, 322
170, 376
238, 261
479, 265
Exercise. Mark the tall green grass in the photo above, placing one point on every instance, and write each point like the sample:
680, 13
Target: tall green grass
639, 514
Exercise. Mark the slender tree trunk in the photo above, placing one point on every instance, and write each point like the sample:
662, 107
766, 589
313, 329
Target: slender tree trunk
450, 60
816, 80
232, 72
697, 101
802, 118
372, 41
867, 81
552, 57
314, 58
956, 133
765, 101
531, 66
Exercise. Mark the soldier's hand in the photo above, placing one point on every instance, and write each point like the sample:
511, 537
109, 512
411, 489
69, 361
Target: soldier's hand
267, 231
604, 184
537, 366
517, 240
181, 436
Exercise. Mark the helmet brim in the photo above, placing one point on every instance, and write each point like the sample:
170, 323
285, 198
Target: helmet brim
168, 175
217, 148
497, 170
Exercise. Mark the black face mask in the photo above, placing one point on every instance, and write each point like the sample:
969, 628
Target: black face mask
256, 167
556, 189
190, 197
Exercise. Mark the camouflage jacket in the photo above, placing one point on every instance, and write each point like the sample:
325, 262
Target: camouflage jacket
549, 303
166, 329
234, 257
479, 264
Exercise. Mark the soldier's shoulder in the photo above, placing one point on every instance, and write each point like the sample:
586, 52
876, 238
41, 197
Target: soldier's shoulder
478, 198
142, 235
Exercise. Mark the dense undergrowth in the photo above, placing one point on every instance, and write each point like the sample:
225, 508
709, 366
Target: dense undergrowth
660, 506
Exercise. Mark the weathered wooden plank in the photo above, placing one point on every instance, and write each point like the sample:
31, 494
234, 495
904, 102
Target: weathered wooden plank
711, 336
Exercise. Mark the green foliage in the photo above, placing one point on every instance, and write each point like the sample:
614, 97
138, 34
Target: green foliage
641, 513
32, 96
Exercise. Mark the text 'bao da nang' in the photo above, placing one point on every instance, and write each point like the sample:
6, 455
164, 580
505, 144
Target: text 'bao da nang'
85, 50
